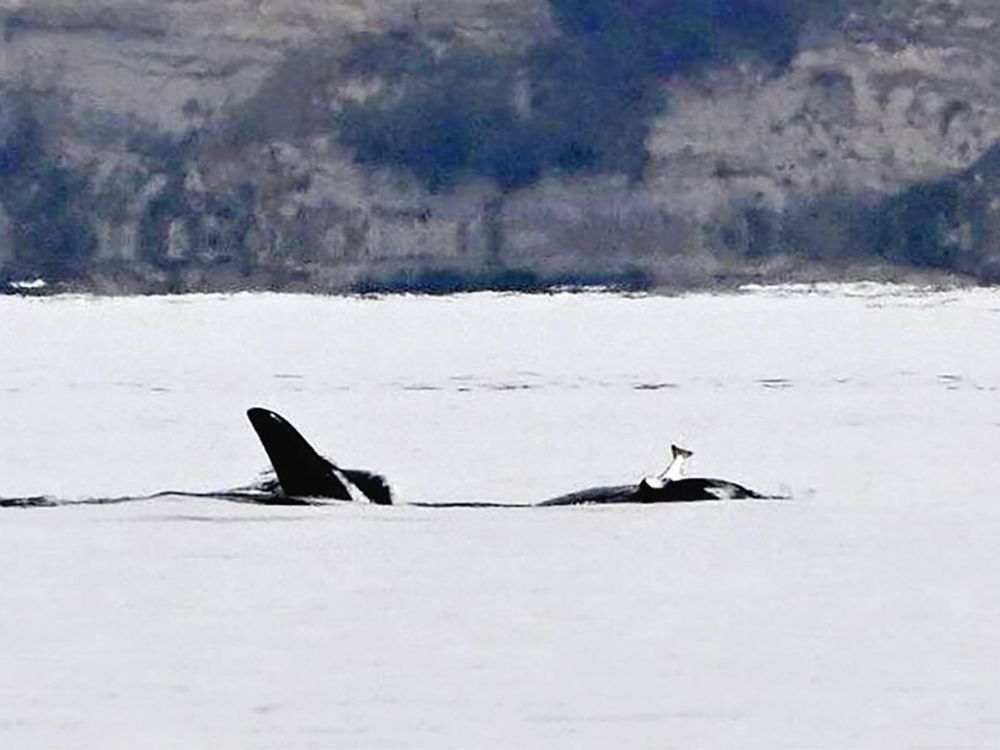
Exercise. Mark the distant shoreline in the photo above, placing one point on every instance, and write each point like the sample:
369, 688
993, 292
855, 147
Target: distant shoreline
445, 282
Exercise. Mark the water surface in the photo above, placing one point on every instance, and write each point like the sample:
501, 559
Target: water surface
861, 614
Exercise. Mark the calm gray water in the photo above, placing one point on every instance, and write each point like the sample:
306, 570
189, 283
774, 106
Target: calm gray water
862, 614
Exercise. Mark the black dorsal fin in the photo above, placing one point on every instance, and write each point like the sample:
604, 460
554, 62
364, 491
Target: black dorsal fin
301, 471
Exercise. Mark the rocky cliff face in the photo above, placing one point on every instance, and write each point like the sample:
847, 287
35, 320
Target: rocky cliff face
909, 92
204, 131
165, 62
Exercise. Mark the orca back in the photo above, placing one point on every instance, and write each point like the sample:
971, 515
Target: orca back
694, 489
372, 485
690, 490
625, 493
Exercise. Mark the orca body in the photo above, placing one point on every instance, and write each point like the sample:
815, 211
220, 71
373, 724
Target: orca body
693, 489
303, 473
669, 486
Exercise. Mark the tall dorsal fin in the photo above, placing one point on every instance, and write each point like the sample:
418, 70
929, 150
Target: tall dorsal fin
301, 471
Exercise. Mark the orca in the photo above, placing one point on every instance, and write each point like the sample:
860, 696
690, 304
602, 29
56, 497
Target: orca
670, 486
301, 476
304, 477
303, 473
692, 489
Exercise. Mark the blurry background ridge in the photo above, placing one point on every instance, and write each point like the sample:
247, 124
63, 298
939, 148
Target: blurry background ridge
441, 145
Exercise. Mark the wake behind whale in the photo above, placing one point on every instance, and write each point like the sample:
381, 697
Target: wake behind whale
303, 477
